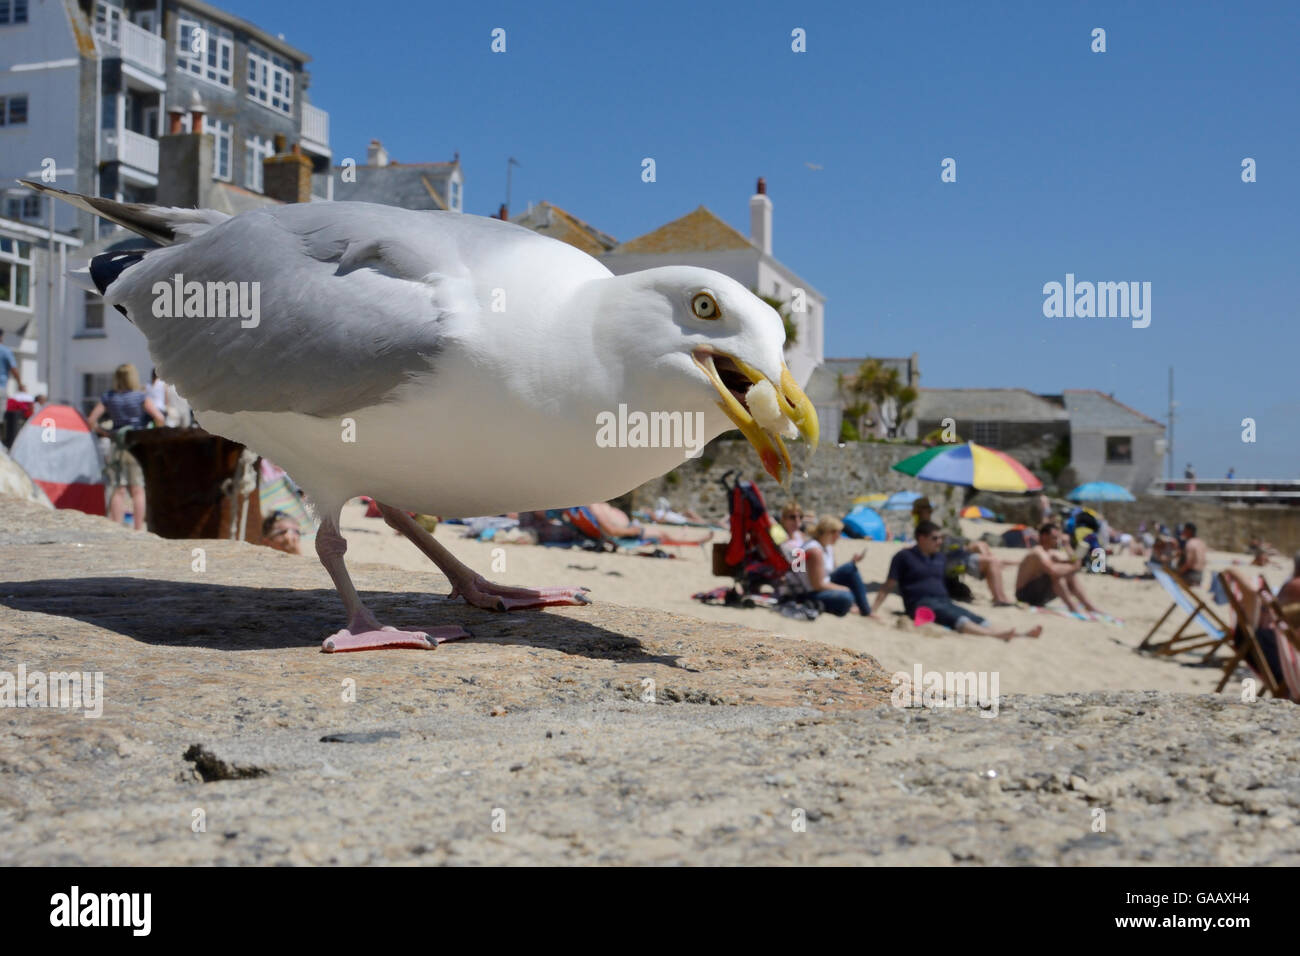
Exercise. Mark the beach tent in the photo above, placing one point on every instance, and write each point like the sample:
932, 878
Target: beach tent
1101, 491
59, 451
864, 522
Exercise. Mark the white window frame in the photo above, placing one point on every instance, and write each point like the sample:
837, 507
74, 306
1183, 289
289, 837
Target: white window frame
456, 199
12, 259
5, 110
222, 135
256, 148
108, 22
18, 206
207, 63
265, 71
93, 304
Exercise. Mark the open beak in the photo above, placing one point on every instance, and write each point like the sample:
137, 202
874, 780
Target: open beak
733, 379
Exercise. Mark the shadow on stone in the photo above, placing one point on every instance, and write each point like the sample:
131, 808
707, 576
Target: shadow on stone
235, 618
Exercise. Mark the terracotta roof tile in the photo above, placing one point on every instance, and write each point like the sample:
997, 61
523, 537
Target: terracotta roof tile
697, 231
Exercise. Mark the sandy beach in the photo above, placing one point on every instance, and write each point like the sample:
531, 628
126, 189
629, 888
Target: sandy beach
1071, 656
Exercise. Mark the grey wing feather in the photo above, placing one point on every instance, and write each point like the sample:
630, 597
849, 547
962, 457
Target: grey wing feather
354, 301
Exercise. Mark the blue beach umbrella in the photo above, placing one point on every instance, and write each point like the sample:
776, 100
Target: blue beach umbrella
900, 501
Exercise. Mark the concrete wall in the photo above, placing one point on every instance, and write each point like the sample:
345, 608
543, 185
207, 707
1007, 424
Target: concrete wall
1227, 527
52, 100
1088, 459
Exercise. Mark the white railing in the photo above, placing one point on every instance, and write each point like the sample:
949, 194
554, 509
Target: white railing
315, 125
144, 49
134, 149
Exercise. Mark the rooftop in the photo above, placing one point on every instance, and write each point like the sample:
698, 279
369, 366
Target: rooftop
697, 231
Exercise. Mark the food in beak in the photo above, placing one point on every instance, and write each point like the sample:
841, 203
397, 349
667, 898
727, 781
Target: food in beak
760, 409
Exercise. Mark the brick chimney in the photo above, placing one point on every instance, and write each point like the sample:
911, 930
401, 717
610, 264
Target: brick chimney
760, 218
287, 176
376, 155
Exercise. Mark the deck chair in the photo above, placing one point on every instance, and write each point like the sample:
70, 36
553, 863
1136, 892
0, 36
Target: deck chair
1288, 644
1214, 634
1247, 644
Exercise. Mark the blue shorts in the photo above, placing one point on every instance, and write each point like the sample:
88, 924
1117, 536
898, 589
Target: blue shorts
947, 613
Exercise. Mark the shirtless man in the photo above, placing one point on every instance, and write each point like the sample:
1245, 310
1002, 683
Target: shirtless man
1191, 567
1044, 575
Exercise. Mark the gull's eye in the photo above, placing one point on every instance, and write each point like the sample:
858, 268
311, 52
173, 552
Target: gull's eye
705, 306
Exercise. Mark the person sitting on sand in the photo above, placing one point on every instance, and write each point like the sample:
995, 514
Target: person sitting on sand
1191, 566
981, 563
792, 522
836, 588
917, 573
281, 532
1045, 574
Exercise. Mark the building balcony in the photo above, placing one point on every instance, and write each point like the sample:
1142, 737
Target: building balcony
315, 130
144, 54
135, 151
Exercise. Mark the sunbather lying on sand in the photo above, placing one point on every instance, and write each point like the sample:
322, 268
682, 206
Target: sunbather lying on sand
918, 572
1045, 573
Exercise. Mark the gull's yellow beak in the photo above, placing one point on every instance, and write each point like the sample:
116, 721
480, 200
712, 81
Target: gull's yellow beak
794, 405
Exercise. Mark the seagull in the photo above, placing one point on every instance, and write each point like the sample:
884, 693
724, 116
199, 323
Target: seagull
440, 363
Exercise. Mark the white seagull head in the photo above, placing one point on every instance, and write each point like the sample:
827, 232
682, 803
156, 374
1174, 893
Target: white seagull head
709, 340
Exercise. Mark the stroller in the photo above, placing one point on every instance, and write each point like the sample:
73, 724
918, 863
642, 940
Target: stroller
759, 568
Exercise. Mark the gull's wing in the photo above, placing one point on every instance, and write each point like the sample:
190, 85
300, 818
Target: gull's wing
353, 300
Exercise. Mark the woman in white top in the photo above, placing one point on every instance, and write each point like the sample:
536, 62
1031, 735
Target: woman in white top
836, 588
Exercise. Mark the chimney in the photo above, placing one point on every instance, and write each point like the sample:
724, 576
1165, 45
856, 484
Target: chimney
760, 218
184, 168
287, 176
502, 214
197, 112
376, 155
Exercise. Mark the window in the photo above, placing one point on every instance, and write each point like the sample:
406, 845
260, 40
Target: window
220, 148
93, 385
270, 79
23, 207
1119, 450
93, 321
13, 110
13, 11
205, 51
15, 273
455, 195
988, 434
108, 22
256, 149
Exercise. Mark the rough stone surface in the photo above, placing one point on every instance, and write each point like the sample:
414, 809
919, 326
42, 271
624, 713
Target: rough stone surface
220, 710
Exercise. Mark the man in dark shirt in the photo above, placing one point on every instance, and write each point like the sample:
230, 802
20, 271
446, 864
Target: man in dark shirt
917, 572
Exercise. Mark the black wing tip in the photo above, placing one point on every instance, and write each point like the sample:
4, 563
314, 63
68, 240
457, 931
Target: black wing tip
107, 266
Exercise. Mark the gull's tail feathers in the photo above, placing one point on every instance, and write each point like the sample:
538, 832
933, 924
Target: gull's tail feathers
163, 224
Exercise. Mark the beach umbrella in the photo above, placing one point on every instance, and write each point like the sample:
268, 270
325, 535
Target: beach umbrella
1101, 491
864, 522
900, 501
975, 511
971, 465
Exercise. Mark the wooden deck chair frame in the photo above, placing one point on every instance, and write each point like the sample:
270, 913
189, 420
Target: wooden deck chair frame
1285, 632
1250, 646
1181, 642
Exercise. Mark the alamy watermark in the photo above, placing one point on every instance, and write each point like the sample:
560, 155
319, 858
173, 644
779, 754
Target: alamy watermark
66, 690
636, 429
179, 299
934, 689
1102, 300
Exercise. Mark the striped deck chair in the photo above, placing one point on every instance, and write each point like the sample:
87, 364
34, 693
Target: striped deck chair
1247, 643
1214, 634
1287, 640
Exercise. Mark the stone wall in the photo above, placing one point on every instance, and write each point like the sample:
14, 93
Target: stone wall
835, 476
1226, 527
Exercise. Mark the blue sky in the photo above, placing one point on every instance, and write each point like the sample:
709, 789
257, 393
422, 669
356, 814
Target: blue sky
1115, 166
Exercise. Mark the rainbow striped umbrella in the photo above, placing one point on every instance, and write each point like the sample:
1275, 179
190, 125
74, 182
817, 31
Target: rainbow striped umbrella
971, 465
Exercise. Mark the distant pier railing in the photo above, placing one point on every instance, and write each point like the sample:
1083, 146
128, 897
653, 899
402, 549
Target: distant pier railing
1255, 490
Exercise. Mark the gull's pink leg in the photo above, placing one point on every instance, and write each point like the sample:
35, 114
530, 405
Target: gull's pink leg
472, 586
363, 632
